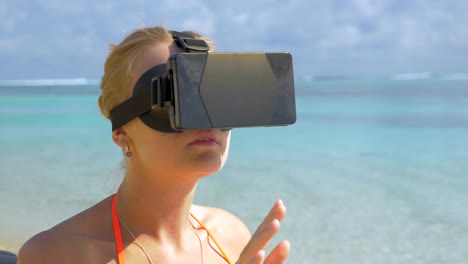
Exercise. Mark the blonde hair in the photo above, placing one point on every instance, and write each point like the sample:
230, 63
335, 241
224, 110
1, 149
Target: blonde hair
118, 68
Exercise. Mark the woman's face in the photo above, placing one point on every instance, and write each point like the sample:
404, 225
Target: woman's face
196, 152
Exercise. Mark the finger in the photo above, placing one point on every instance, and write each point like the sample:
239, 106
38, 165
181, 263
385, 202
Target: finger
278, 211
258, 258
267, 229
279, 254
261, 238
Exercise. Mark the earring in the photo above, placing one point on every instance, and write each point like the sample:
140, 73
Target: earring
128, 153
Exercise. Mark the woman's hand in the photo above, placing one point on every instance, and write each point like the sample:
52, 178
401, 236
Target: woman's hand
254, 251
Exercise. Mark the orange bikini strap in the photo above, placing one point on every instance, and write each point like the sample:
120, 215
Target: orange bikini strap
117, 233
225, 256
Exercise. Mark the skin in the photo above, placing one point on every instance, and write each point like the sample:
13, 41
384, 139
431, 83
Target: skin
155, 200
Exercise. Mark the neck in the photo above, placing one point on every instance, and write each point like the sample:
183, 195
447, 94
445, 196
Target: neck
156, 209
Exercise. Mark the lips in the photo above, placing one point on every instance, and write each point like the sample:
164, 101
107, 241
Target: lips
205, 138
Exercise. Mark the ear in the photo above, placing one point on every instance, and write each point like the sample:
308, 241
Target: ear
119, 136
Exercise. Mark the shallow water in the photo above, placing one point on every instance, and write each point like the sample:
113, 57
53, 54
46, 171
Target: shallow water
372, 172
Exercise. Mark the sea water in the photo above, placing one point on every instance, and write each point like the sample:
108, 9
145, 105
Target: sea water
373, 171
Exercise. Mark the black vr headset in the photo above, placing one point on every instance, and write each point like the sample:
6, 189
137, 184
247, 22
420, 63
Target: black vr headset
198, 89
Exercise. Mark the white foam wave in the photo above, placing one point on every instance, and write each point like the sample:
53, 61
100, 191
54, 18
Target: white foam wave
412, 76
455, 76
50, 82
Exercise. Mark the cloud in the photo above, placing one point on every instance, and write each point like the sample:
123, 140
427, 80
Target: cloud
326, 37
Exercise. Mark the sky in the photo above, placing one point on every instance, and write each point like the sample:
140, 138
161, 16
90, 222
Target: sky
53, 39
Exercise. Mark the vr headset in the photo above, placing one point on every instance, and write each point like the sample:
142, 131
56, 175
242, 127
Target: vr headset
198, 89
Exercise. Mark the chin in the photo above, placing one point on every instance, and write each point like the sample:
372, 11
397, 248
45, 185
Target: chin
207, 170
207, 166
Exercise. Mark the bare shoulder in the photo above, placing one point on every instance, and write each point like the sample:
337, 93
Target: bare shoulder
83, 238
39, 248
227, 228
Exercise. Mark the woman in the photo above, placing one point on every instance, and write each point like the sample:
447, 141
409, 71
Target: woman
151, 218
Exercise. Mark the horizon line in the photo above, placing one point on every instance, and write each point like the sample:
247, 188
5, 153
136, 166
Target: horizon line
324, 77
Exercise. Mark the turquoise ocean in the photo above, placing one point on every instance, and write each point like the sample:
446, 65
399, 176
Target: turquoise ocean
373, 171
